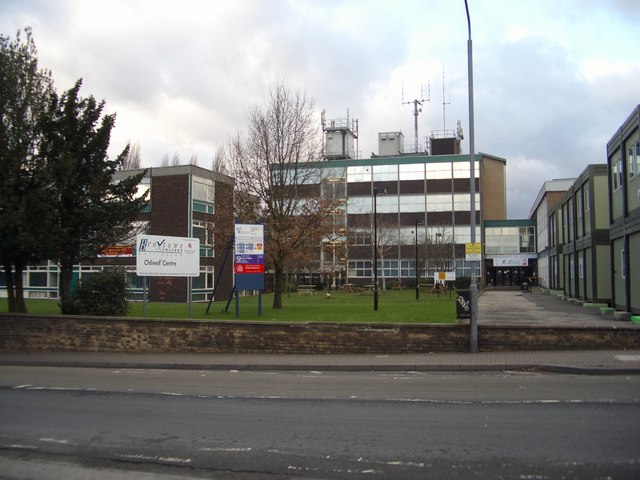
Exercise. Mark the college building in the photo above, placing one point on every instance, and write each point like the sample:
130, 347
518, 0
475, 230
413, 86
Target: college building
592, 238
623, 165
578, 228
416, 206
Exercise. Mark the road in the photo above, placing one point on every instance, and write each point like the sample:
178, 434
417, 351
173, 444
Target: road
236, 425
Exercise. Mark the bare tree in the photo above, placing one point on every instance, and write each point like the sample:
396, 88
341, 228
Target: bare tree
440, 243
165, 160
193, 160
219, 163
133, 159
175, 160
271, 165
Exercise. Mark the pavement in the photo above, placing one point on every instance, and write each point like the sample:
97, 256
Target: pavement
590, 362
514, 307
494, 307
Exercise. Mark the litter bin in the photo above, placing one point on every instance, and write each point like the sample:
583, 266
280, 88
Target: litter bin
463, 304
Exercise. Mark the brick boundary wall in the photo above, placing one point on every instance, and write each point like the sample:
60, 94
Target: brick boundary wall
23, 332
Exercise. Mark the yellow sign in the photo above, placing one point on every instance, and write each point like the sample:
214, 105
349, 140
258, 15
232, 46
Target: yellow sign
472, 248
473, 251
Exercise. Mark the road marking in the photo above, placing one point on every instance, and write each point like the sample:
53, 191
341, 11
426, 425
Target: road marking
406, 464
19, 445
59, 441
154, 458
222, 449
628, 358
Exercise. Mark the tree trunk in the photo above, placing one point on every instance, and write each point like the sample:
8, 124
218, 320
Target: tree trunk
66, 300
20, 305
8, 275
278, 284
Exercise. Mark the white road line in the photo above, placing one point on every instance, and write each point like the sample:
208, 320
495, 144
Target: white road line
20, 446
627, 358
222, 449
59, 441
154, 458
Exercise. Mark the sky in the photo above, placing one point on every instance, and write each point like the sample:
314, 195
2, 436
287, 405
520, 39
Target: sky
553, 79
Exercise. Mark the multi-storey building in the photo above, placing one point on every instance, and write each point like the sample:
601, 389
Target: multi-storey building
421, 202
579, 239
548, 198
623, 162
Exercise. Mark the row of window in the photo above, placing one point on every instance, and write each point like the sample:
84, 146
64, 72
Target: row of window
396, 269
378, 173
570, 219
429, 236
43, 281
446, 202
412, 171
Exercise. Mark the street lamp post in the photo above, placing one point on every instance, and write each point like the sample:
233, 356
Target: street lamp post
418, 222
375, 246
473, 323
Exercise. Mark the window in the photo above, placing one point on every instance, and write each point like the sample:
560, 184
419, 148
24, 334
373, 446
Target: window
586, 202
634, 160
571, 269
359, 205
579, 204
360, 236
143, 187
203, 189
359, 174
390, 269
463, 169
411, 203
617, 174
580, 267
412, 171
439, 202
385, 173
438, 170
203, 231
360, 268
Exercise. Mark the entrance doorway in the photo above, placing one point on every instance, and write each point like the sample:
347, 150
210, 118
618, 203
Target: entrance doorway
509, 276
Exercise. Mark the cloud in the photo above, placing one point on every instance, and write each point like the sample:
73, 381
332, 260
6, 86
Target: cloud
549, 93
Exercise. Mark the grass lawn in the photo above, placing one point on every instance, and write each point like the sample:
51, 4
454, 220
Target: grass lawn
394, 306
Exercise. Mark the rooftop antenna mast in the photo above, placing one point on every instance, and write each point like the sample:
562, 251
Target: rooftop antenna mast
444, 103
417, 110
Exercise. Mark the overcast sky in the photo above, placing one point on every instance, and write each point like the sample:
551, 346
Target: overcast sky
554, 79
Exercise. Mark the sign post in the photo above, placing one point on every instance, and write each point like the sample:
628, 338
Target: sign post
248, 263
164, 256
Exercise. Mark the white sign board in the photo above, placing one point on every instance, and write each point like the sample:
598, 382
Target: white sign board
444, 277
511, 261
163, 256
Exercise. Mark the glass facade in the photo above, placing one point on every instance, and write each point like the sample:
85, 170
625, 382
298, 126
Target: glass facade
429, 190
509, 240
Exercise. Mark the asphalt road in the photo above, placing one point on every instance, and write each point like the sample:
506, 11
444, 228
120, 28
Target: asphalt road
131, 423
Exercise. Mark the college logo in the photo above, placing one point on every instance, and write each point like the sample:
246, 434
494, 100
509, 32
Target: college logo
143, 245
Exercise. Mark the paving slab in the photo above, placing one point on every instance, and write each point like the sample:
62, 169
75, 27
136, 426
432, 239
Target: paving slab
515, 307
